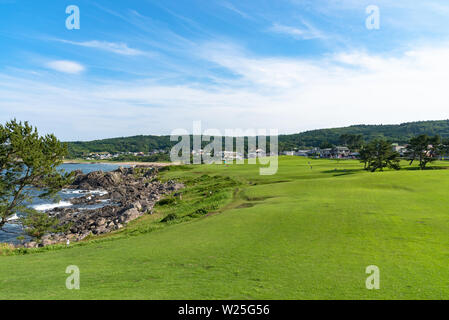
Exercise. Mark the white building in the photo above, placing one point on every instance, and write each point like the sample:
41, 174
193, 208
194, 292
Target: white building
400, 149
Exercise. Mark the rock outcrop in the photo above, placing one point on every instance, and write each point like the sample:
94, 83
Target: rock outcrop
121, 196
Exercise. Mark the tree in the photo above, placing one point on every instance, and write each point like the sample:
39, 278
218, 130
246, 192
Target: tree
326, 145
425, 149
443, 148
28, 164
352, 141
380, 155
37, 224
366, 154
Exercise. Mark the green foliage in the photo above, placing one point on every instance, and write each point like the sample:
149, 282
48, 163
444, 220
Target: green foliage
201, 211
169, 217
37, 224
365, 155
379, 154
116, 145
326, 145
393, 133
202, 195
158, 157
28, 162
166, 201
352, 136
6, 249
425, 149
352, 141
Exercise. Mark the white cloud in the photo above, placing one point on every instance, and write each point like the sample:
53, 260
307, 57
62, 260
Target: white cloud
289, 94
66, 66
231, 7
115, 47
306, 32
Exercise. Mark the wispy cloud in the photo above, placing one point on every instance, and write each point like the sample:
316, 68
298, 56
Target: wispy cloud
151, 28
304, 32
231, 7
66, 66
115, 47
292, 94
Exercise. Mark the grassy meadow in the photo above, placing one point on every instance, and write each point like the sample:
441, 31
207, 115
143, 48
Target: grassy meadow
307, 232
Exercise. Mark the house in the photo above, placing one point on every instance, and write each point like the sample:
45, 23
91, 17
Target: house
354, 155
341, 152
258, 153
99, 156
200, 151
400, 149
303, 153
230, 155
325, 153
334, 153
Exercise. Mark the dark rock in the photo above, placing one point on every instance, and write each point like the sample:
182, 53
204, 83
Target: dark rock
130, 193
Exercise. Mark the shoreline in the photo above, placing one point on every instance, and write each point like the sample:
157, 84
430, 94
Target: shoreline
5, 239
124, 163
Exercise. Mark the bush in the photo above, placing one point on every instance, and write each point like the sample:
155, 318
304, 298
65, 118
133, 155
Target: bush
170, 217
166, 201
6, 249
200, 211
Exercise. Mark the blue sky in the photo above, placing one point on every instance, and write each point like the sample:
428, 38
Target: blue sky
149, 67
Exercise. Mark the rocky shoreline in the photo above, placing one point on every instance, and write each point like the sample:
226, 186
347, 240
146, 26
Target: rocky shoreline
121, 196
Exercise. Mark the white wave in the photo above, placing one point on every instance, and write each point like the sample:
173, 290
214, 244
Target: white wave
95, 192
14, 217
50, 206
13, 220
73, 191
99, 192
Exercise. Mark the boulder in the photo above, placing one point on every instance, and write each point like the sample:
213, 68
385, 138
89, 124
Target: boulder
31, 244
131, 192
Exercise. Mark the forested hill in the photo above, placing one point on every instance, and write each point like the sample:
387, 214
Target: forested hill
395, 133
315, 138
125, 144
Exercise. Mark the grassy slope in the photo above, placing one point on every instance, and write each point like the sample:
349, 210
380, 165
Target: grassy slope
300, 234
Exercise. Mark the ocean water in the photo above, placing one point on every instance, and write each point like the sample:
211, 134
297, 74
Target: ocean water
65, 195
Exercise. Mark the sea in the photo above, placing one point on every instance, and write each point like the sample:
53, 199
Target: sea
65, 195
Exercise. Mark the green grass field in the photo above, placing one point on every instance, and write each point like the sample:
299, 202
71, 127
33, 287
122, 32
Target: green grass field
300, 234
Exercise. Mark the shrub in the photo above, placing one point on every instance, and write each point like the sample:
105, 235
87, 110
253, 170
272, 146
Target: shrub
170, 217
200, 211
166, 201
6, 249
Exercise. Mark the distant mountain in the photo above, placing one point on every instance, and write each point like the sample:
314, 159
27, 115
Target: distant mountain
395, 133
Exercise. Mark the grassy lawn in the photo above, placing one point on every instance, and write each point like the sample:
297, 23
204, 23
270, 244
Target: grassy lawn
304, 233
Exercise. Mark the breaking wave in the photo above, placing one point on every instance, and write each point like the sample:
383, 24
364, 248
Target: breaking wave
50, 206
